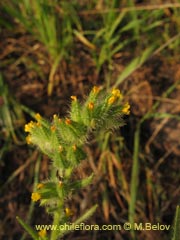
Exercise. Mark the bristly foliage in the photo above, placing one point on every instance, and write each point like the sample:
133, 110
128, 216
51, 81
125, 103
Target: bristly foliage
62, 140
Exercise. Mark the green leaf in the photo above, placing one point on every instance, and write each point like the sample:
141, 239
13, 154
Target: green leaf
116, 24
82, 183
131, 25
134, 64
31, 232
81, 219
176, 230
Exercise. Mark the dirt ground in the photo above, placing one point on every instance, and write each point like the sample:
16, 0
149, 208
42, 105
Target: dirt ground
160, 142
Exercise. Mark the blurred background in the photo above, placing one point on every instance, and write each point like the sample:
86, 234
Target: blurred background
52, 49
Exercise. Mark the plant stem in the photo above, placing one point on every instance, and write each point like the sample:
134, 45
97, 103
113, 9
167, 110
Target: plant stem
134, 178
56, 220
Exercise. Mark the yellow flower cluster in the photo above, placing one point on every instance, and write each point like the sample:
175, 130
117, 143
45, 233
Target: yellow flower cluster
40, 185
74, 147
90, 105
42, 233
68, 121
38, 116
116, 94
68, 212
126, 109
60, 148
35, 196
111, 100
74, 98
53, 128
96, 89
29, 126
28, 139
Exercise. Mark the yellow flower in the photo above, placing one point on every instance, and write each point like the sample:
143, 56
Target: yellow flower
68, 121
111, 100
38, 124
40, 185
60, 184
126, 109
90, 105
42, 233
60, 148
96, 89
35, 196
28, 126
37, 116
74, 147
28, 139
53, 128
116, 93
54, 116
74, 98
68, 212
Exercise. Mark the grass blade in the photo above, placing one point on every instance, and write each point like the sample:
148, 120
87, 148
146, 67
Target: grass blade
134, 176
134, 65
176, 232
31, 232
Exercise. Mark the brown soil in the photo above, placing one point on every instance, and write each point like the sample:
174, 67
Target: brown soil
160, 143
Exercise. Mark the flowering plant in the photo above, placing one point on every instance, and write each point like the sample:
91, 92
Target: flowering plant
62, 140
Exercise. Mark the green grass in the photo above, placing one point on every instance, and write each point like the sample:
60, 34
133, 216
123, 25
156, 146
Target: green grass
176, 230
49, 26
41, 19
104, 32
135, 181
11, 116
57, 24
